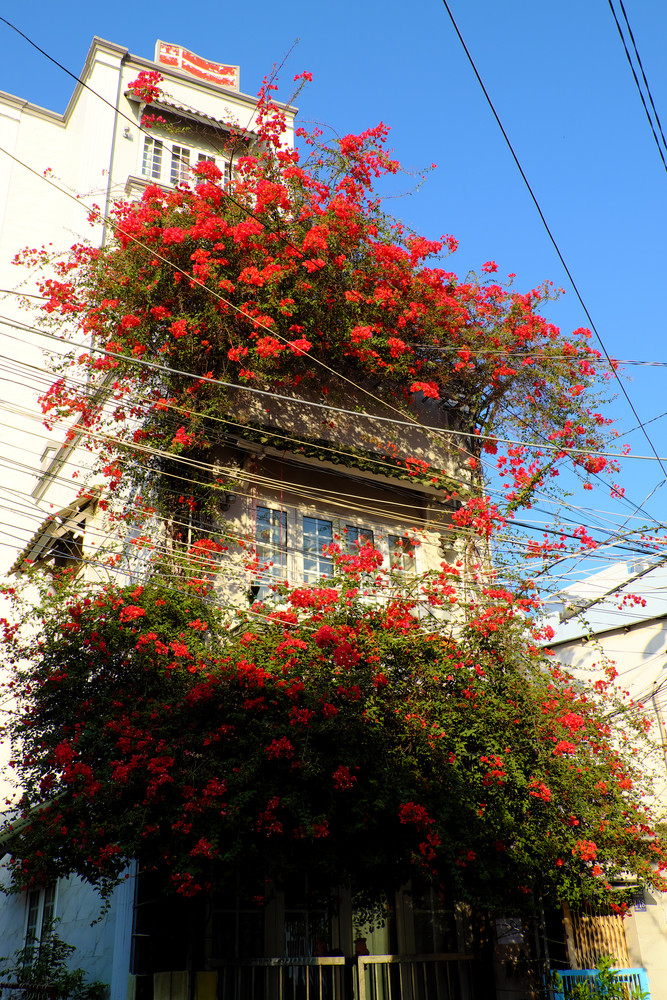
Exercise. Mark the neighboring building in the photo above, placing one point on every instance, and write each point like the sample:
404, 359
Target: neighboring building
600, 621
102, 938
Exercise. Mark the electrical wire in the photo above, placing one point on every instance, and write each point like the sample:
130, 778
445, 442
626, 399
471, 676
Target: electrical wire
662, 148
553, 241
153, 366
437, 430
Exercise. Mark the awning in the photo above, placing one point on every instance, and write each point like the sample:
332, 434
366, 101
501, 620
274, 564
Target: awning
47, 541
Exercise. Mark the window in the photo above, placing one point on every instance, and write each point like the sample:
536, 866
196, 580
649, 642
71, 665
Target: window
316, 535
402, 554
294, 546
222, 165
151, 165
357, 536
270, 548
180, 165
39, 922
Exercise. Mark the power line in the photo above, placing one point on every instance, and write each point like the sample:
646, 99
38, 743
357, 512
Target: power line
552, 238
255, 322
662, 148
559, 448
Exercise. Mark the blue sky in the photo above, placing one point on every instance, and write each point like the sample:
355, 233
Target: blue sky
562, 87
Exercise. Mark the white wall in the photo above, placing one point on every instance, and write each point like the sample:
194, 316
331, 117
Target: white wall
102, 938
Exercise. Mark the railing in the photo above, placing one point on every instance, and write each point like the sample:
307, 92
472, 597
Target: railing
25, 991
416, 977
284, 979
368, 977
634, 982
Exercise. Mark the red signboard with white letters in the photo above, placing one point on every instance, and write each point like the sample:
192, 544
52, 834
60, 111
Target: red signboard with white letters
212, 72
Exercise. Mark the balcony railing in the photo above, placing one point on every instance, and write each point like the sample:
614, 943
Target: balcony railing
634, 982
368, 977
416, 977
25, 991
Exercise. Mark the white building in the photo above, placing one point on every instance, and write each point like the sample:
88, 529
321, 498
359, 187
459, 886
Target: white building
54, 169
619, 616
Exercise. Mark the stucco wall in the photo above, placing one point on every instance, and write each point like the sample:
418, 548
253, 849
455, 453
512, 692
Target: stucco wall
101, 936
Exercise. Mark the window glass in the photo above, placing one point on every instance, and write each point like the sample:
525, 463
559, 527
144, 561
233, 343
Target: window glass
31, 931
316, 534
180, 165
39, 923
151, 165
270, 547
356, 536
402, 553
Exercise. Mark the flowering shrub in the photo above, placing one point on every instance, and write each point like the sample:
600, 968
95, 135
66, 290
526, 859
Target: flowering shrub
290, 278
151, 730
340, 731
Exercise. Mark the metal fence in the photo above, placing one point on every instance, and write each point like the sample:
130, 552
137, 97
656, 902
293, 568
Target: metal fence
368, 977
634, 982
25, 991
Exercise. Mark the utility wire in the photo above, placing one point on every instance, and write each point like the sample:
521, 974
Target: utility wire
117, 228
315, 359
140, 362
662, 148
554, 243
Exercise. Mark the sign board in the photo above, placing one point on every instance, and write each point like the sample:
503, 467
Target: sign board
177, 57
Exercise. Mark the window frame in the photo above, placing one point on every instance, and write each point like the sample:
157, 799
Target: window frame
152, 157
45, 916
179, 165
294, 552
273, 571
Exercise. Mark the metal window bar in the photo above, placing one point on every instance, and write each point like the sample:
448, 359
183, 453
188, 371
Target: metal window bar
21, 991
284, 979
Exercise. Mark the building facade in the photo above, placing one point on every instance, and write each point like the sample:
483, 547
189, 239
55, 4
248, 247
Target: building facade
600, 623
299, 483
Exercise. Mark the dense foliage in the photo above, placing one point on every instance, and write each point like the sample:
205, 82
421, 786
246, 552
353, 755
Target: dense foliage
357, 728
290, 278
311, 737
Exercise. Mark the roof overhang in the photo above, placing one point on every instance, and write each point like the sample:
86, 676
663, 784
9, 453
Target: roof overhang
42, 545
189, 114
